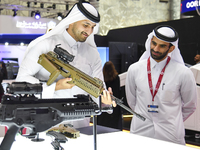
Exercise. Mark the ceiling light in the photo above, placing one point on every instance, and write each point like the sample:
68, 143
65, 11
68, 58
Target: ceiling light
54, 6
59, 16
67, 7
37, 15
32, 13
42, 5
28, 4
14, 12
21, 44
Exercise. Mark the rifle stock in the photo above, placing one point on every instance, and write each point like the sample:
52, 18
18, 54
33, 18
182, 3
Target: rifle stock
55, 72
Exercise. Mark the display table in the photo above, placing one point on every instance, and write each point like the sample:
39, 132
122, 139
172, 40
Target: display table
114, 140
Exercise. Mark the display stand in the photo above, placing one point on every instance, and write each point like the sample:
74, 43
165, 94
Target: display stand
95, 131
95, 125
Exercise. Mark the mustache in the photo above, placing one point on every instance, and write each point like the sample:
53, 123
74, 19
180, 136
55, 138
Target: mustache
155, 51
84, 33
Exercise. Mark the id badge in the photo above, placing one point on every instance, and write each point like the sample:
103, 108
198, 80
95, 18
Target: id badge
153, 108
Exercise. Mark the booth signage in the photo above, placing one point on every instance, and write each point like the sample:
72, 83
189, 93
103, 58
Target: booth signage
25, 25
35, 25
189, 5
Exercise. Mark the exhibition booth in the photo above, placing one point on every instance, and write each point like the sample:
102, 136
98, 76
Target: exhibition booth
122, 50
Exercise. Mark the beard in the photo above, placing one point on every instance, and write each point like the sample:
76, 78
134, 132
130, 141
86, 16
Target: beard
161, 56
83, 39
78, 35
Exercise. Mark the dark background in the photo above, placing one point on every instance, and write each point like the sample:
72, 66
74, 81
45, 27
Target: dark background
188, 30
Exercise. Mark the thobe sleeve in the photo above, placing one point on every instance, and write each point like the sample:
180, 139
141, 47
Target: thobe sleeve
97, 68
188, 94
130, 88
29, 67
97, 71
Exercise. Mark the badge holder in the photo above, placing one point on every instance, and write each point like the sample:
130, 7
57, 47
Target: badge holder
153, 108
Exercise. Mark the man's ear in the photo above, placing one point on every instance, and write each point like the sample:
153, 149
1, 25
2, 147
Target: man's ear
171, 48
70, 27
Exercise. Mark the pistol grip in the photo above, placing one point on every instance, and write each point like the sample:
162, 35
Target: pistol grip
71, 82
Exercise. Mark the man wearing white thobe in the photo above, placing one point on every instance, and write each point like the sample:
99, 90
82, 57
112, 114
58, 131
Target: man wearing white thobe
165, 99
75, 33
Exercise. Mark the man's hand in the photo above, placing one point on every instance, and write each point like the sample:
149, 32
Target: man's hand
106, 97
63, 84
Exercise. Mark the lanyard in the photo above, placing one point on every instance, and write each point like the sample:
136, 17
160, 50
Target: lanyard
159, 79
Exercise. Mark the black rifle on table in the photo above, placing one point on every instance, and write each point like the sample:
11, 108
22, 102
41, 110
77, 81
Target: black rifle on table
57, 63
23, 109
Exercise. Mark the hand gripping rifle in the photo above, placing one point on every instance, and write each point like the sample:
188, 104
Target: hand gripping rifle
21, 108
57, 63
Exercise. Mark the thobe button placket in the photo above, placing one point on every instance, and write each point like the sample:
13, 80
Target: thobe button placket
74, 49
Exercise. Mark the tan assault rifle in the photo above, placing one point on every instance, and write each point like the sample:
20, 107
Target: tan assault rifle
56, 66
57, 63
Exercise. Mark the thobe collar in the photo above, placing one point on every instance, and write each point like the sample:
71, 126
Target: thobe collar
160, 64
70, 40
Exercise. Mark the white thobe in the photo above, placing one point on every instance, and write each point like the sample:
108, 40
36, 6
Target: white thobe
87, 59
176, 99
